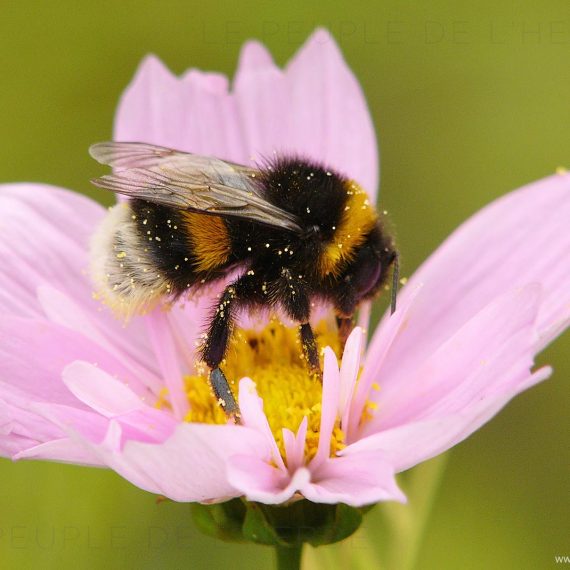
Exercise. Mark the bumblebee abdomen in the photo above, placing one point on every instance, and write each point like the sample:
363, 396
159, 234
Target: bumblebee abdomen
123, 271
209, 240
143, 252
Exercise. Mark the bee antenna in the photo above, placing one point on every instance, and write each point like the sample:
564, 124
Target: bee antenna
395, 282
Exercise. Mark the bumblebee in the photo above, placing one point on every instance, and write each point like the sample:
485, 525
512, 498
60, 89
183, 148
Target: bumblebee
293, 231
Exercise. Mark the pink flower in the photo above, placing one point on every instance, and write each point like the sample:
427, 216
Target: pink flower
76, 385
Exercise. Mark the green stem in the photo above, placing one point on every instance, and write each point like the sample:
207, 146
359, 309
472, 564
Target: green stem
406, 524
288, 557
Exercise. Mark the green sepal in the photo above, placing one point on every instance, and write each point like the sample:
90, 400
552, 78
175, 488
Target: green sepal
257, 528
291, 525
220, 520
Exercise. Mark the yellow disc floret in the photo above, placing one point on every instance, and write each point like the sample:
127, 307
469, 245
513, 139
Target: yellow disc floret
273, 358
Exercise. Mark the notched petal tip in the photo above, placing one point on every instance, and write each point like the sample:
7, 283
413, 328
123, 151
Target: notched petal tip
320, 42
151, 64
210, 82
321, 51
254, 55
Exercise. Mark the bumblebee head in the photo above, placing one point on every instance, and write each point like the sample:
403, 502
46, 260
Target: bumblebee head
365, 273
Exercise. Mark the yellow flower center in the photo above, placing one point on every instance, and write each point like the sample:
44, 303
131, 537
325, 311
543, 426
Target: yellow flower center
273, 358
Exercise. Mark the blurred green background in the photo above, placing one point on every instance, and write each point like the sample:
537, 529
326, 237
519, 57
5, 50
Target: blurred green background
470, 101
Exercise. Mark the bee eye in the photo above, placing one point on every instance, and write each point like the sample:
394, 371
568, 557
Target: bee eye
366, 276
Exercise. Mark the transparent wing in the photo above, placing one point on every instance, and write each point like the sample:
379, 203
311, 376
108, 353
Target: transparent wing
187, 181
141, 155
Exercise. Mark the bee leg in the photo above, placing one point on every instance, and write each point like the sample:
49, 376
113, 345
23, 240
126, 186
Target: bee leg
345, 326
310, 349
218, 335
294, 297
224, 395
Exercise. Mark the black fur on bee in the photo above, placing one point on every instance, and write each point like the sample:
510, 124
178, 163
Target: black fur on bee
294, 232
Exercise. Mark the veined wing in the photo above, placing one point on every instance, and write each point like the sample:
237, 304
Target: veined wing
188, 181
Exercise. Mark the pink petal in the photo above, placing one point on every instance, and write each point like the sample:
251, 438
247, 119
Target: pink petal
349, 374
356, 480
412, 443
114, 399
54, 252
260, 481
329, 410
33, 355
95, 322
194, 113
186, 323
364, 314
210, 80
33, 433
44, 272
20, 419
392, 326
191, 465
5, 419
147, 425
101, 392
254, 57
263, 102
490, 350
251, 407
295, 446
87, 423
164, 346
30, 388
12, 444
329, 116
315, 108
63, 450
520, 238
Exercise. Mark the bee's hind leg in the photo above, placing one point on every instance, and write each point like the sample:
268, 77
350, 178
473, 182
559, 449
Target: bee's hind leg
216, 344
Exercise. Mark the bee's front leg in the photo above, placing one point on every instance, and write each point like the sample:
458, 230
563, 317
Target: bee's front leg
310, 349
294, 296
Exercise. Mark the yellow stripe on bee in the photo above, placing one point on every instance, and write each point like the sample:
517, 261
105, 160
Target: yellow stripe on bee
357, 220
209, 239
